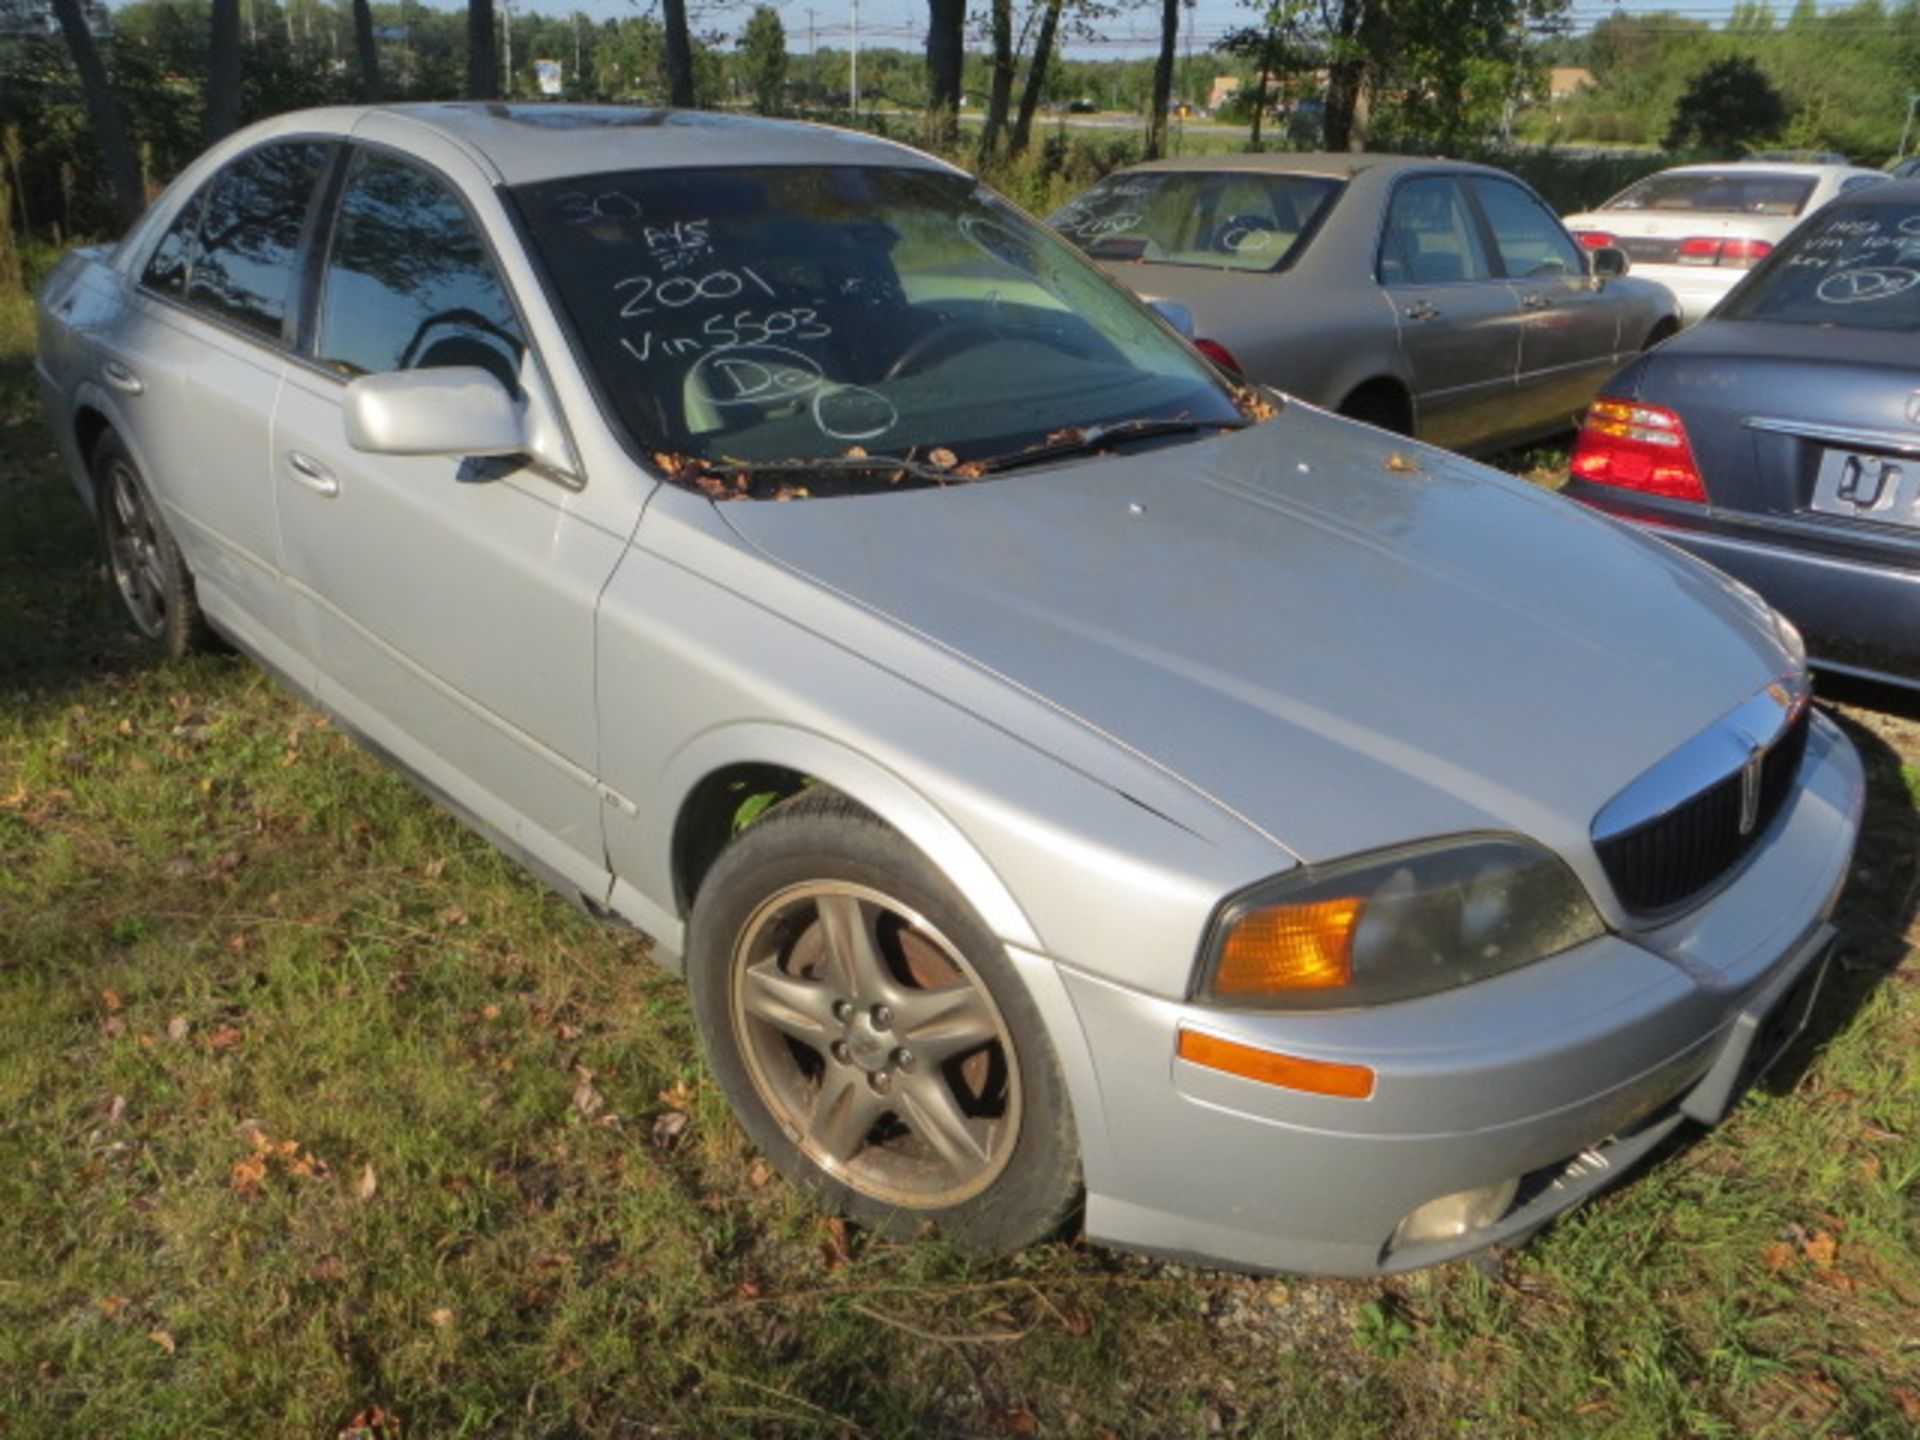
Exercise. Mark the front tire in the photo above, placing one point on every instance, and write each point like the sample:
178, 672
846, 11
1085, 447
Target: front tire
143, 561
872, 1036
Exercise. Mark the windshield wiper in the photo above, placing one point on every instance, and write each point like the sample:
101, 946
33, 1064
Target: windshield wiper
834, 465
1093, 438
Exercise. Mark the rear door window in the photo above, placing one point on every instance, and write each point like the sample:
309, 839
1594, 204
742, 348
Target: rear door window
243, 266
1431, 236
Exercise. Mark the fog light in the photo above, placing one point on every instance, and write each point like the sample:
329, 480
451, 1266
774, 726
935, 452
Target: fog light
1452, 1216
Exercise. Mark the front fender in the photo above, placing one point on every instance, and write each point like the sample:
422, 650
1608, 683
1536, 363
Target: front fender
889, 795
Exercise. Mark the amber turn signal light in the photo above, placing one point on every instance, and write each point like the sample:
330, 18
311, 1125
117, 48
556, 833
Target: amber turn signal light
1269, 1067
1290, 947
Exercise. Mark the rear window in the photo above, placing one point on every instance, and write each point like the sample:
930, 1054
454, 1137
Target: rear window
1222, 219
1855, 266
1731, 192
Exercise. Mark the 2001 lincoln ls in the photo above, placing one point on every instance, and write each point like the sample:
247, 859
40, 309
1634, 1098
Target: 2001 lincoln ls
1315, 850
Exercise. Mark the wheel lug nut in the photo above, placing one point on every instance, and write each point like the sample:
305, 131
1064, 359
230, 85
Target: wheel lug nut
879, 1083
842, 1011
840, 1052
903, 1057
882, 1018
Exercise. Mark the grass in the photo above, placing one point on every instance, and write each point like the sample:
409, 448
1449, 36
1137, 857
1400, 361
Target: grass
321, 1119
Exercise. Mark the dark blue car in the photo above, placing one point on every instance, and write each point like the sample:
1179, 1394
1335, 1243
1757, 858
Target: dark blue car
1780, 438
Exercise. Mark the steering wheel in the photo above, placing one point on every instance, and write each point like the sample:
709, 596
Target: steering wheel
947, 340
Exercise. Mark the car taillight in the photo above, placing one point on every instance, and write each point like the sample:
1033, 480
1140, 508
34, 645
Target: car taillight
1637, 447
1595, 239
1712, 250
1219, 355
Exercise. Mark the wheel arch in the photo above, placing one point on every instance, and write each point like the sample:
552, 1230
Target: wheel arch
1390, 393
702, 789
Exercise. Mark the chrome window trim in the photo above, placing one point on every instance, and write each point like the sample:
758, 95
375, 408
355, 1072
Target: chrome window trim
1716, 753
1906, 444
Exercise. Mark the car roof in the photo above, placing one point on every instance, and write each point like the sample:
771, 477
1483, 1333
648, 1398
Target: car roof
1811, 169
1335, 163
525, 142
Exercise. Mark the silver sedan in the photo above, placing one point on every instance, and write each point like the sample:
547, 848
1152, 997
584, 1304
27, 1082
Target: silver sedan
1430, 297
1071, 785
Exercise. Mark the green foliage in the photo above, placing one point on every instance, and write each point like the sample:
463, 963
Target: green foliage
1726, 108
763, 59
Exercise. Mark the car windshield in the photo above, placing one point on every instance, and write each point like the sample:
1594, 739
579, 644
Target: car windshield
819, 316
1719, 192
1223, 219
1856, 266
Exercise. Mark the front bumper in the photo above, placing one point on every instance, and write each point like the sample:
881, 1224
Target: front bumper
1562, 1074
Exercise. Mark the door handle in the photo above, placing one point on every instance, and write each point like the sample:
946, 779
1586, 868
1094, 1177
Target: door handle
1534, 300
310, 473
121, 378
1422, 310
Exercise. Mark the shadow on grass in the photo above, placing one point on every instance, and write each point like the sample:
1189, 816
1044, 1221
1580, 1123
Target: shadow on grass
58, 626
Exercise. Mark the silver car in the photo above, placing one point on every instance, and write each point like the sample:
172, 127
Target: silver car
1430, 297
1071, 785
1698, 229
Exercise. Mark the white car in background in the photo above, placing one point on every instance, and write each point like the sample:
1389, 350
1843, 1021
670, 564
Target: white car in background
1698, 228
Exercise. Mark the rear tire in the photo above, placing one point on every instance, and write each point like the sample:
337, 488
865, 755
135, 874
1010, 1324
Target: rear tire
144, 563
872, 1036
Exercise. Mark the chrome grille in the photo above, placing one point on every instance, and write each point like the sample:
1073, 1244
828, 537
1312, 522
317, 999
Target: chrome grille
1671, 858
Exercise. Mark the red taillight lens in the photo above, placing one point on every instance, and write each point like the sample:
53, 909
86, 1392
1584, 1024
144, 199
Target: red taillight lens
1637, 447
1711, 250
1219, 355
1594, 239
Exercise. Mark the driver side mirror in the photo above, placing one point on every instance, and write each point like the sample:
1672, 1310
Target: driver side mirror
457, 410
1609, 262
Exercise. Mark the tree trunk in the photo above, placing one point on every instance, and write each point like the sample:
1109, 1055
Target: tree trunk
368, 52
1000, 95
483, 52
1036, 76
946, 54
1260, 91
679, 54
223, 70
1163, 79
129, 196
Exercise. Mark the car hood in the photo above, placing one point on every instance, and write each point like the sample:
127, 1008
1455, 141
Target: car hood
1346, 642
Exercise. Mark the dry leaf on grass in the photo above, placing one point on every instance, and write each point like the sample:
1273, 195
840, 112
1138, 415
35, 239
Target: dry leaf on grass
1821, 1248
369, 1182
587, 1100
162, 1339
668, 1127
1777, 1256
178, 1027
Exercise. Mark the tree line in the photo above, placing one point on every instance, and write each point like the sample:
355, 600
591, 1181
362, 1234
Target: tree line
105, 112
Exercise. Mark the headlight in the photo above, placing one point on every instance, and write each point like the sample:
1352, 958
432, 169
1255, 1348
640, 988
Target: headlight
1394, 924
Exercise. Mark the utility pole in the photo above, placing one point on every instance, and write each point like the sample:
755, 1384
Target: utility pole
1907, 129
853, 84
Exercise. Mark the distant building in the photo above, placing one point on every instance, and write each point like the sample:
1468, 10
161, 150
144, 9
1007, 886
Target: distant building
1566, 81
1225, 87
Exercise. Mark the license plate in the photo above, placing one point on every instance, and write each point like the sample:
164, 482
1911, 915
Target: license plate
1864, 486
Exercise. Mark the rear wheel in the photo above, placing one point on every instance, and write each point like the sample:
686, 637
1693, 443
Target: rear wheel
143, 561
874, 1039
